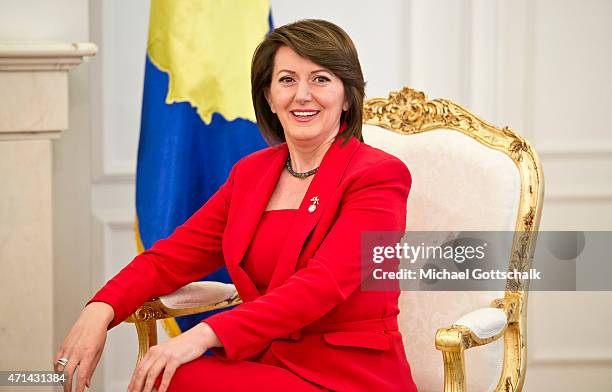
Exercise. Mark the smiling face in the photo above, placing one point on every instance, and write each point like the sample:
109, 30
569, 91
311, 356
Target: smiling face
307, 98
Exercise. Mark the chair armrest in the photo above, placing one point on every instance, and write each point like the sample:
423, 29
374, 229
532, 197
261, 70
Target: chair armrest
484, 323
199, 294
478, 328
193, 298
474, 329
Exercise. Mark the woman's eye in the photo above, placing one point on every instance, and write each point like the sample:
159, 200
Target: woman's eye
286, 79
321, 79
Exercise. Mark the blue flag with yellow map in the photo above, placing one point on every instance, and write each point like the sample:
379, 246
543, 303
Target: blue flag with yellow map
197, 116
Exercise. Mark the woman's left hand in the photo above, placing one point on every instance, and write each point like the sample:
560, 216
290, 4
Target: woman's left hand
168, 356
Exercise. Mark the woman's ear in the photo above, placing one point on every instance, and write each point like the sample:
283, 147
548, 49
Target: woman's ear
345, 106
267, 95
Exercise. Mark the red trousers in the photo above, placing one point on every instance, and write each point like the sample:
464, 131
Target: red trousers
215, 374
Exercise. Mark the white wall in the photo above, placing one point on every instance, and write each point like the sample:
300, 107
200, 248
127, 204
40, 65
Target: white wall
540, 66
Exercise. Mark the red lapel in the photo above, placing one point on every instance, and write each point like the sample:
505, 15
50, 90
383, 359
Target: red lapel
241, 233
324, 183
252, 206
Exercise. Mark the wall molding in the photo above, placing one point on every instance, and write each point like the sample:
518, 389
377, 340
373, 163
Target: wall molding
483, 57
576, 152
113, 172
566, 359
106, 123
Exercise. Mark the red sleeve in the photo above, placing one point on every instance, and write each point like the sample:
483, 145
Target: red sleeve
191, 252
375, 201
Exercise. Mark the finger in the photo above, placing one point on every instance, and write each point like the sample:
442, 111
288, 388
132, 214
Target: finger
61, 369
83, 374
136, 376
56, 365
153, 372
57, 356
140, 372
69, 371
94, 365
168, 374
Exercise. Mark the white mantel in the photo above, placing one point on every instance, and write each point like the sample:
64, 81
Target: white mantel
33, 110
34, 87
43, 57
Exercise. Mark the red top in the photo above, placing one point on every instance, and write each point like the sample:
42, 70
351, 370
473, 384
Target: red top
262, 256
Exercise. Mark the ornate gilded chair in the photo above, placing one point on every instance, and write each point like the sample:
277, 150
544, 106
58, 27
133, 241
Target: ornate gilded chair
468, 175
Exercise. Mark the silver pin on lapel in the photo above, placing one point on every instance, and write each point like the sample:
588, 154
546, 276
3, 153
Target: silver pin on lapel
313, 206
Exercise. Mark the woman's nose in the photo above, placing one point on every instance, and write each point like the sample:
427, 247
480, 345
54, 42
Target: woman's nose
303, 93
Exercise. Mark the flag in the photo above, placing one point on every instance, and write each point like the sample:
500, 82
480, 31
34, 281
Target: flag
197, 117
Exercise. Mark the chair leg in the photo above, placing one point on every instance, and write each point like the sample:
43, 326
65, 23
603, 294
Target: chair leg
147, 336
454, 371
450, 343
515, 343
515, 352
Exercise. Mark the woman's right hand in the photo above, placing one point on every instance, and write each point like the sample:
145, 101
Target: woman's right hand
84, 344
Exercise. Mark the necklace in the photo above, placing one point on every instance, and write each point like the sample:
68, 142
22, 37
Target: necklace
296, 174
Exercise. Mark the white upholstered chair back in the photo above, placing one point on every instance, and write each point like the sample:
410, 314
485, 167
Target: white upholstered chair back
459, 184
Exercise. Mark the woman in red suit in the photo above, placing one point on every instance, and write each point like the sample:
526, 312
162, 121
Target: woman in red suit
287, 224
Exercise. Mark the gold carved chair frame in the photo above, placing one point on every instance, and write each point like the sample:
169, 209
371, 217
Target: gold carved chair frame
409, 112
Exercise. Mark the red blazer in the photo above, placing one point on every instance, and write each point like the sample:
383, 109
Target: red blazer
314, 317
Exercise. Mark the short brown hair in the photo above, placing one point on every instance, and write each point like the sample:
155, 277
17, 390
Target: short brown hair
323, 43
